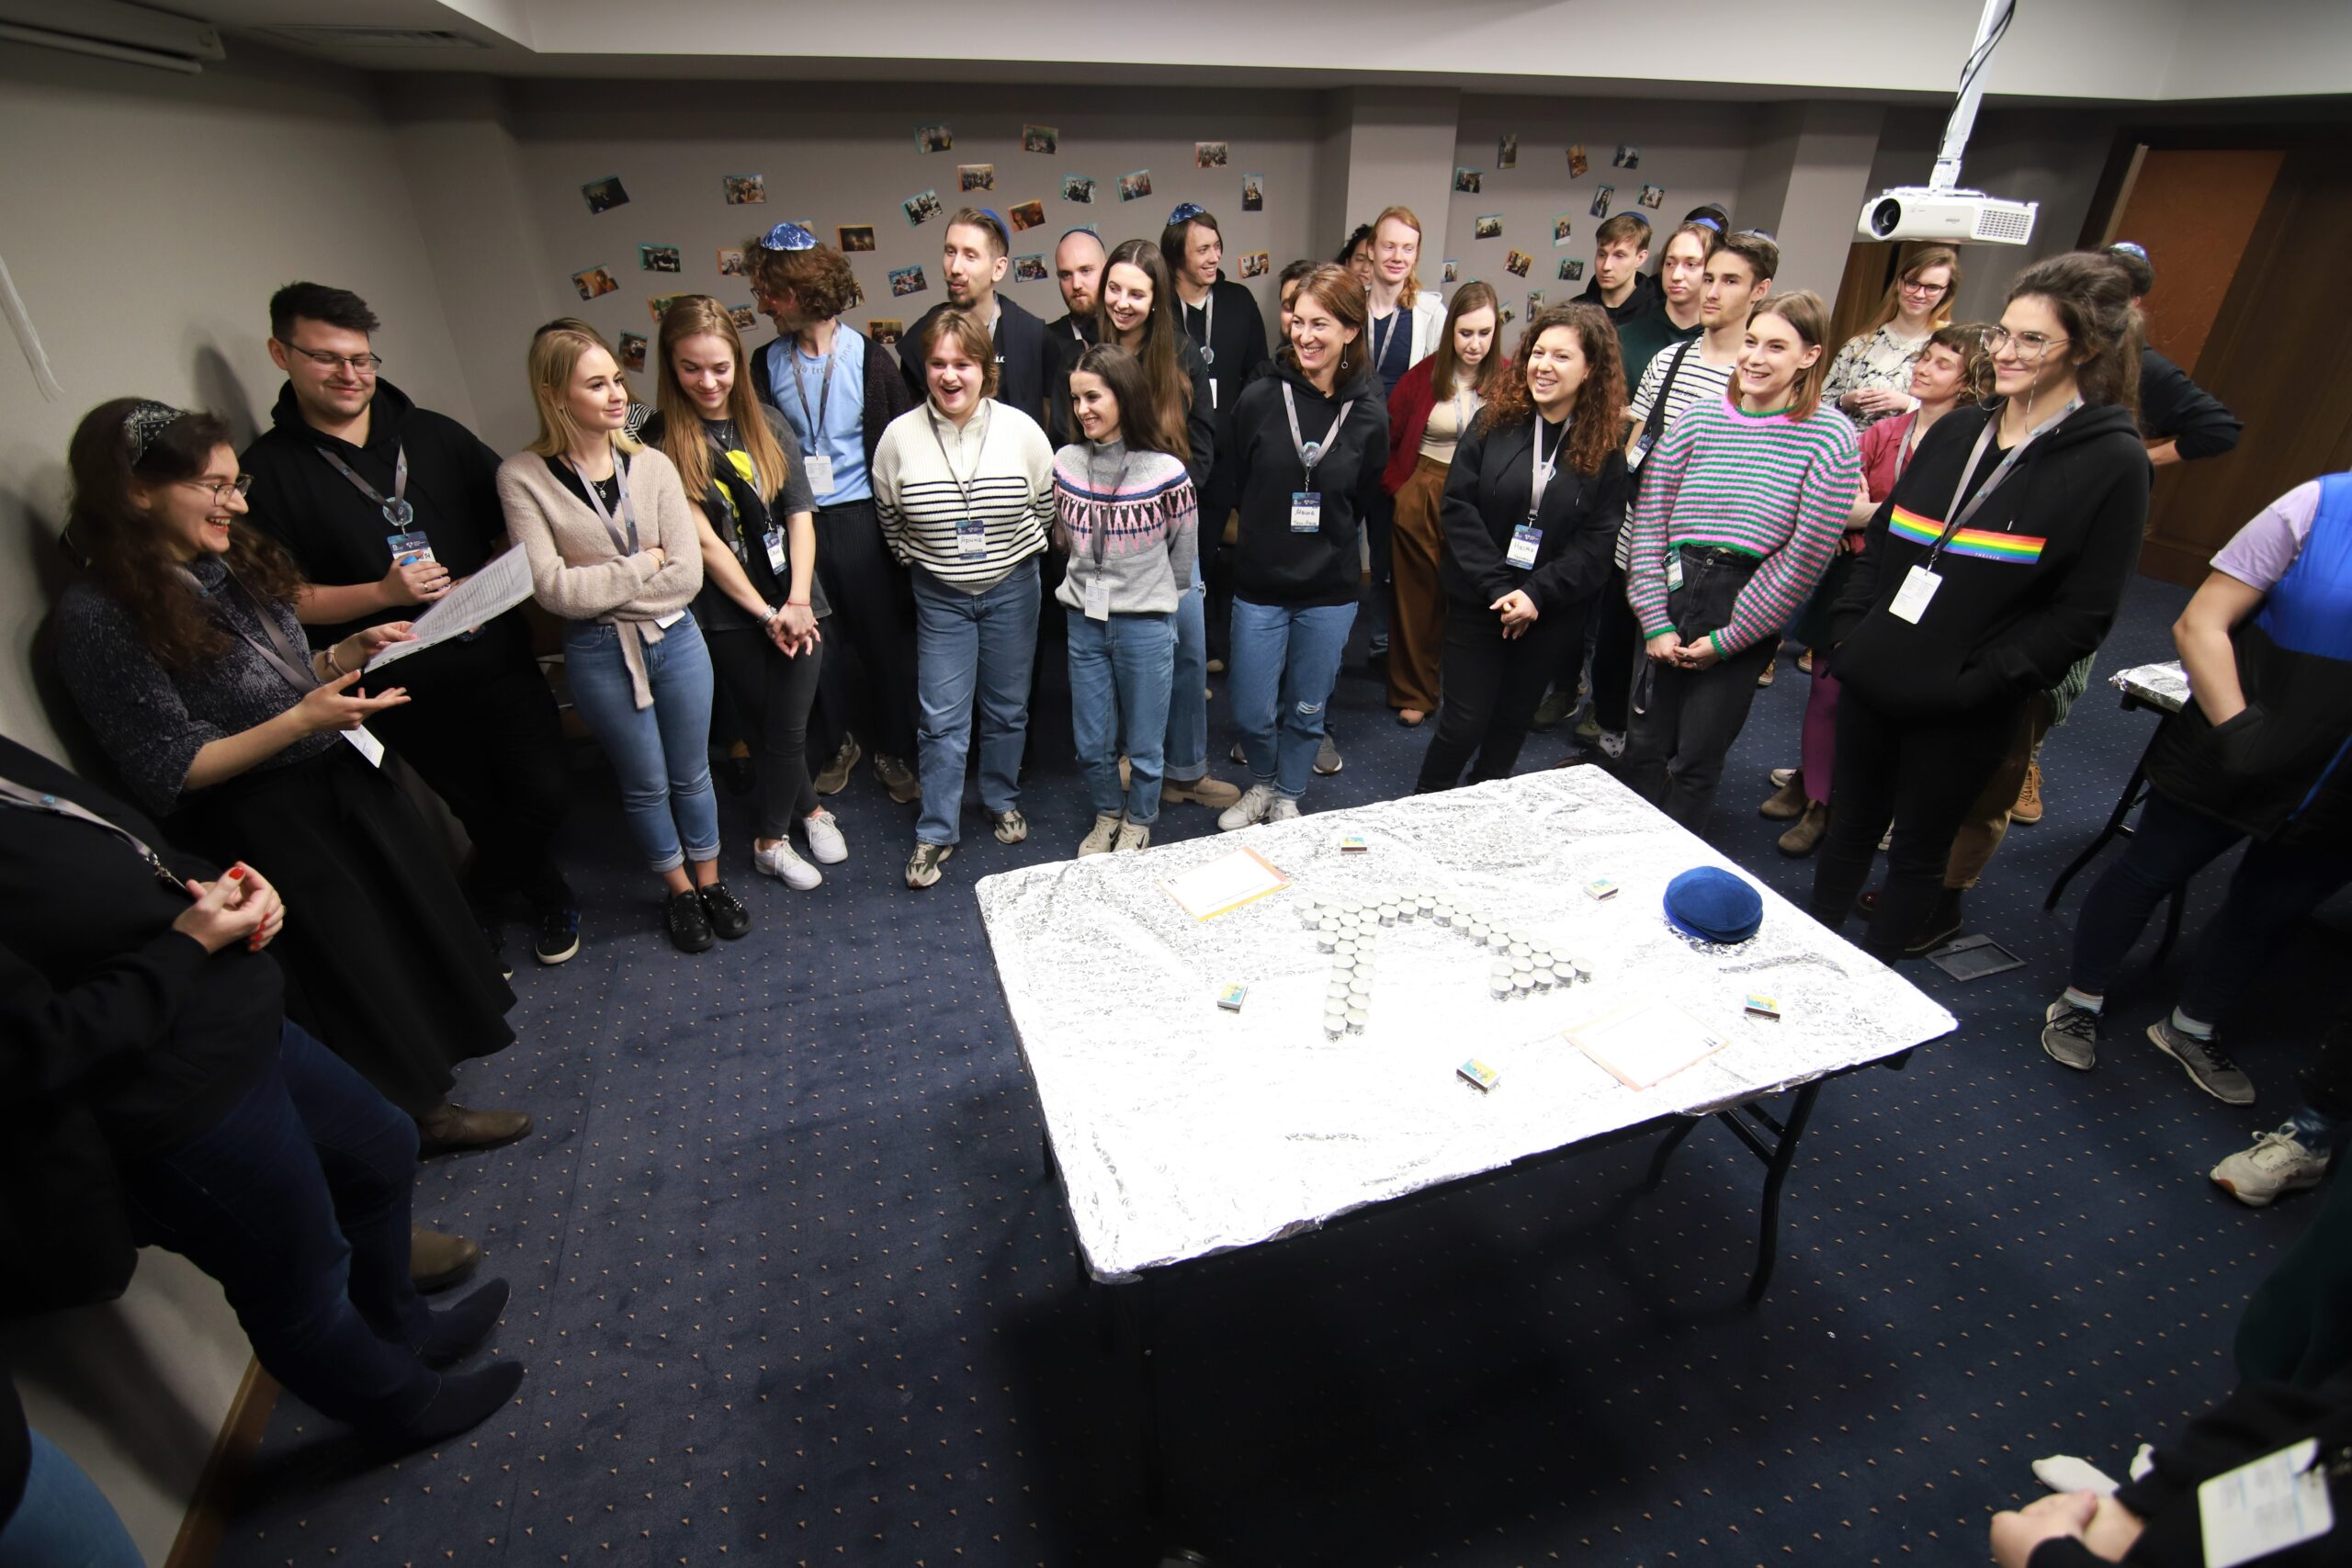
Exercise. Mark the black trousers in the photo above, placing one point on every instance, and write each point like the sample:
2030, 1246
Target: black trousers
1491, 688
1685, 720
1615, 651
867, 684
1921, 774
493, 751
773, 692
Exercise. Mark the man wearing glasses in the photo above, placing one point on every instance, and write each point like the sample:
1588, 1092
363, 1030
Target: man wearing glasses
384, 506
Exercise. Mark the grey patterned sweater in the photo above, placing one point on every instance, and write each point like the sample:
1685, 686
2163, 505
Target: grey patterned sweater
152, 722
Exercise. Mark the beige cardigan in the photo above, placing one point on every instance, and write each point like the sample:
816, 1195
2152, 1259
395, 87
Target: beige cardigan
578, 574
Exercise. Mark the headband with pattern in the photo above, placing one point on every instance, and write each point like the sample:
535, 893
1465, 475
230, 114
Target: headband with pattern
144, 423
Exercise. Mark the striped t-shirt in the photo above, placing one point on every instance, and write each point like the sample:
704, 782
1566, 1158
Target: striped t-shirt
930, 475
1695, 380
1751, 483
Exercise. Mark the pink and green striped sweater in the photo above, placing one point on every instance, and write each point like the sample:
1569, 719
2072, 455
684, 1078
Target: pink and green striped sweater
1756, 483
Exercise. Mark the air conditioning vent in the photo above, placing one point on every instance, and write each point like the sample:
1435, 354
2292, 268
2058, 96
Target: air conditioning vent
327, 36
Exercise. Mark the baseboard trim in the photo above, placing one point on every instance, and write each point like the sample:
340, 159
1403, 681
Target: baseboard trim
205, 1524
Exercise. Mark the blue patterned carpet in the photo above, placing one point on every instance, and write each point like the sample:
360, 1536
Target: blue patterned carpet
793, 1288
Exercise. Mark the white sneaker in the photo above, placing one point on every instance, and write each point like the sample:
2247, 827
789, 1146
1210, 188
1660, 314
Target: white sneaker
1134, 836
2068, 1472
826, 844
1102, 836
1250, 808
780, 862
1282, 810
2279, 1163
1613, 743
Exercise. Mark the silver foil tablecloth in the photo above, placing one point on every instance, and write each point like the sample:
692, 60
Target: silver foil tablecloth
1181, 1129
2163, 686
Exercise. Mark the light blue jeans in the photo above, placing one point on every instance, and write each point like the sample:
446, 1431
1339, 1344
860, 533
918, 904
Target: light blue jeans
64, 1520
971, 647
661, 753
1187, 757
1284, 664
1119, 675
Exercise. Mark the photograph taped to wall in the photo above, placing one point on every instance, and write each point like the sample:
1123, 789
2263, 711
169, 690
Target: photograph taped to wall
1516, 263
594, 281
731, 263
906, 281
1627, 157
934, 138
1652, 196
1257, 263
922, 208
1506, 152
1030, 269
1466, 182
743, 316
605, 195
1571, 271
742, 190
1253, 193
632, 349
856, 236
1078, 188
1208, 155
1451, 272
976, 177
1134, 186
1506, 316
1026, 215
1578, 162
660, 258
1562, 227
1601, 200
885, 330
1046, 138
1535, 303
659, 304
1487, 226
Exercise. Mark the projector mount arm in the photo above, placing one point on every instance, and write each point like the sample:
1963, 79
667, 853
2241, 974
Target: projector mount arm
1990, 28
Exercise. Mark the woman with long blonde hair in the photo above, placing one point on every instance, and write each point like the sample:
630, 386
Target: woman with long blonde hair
615, 551
760, 605
1871, 377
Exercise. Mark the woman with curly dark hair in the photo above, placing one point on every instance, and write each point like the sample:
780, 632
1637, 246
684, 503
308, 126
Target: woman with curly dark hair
180, 648
1533, 503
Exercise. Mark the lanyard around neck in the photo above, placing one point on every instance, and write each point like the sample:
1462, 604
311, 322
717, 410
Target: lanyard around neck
979, 453
624, 542
824, 394
1540, 468
279, 651
1380, 342
13, 794
1102, 541
395, 507
1311, 452
1207, 308
2001, 471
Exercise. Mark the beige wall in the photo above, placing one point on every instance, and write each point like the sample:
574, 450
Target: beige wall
151, 214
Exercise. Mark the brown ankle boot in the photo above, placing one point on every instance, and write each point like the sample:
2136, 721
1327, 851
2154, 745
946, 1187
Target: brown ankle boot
435, 1262
449, 1125
1788, 802
1807, 836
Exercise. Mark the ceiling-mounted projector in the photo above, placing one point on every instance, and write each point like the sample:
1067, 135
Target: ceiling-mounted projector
1955, 217
1940, 209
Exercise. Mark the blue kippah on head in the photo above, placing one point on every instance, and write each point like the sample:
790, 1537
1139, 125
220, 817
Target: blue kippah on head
1713, 905
789, 237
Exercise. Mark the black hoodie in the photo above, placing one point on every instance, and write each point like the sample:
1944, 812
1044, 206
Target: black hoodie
337, 535
1648, 298
2029, 586
1272, 565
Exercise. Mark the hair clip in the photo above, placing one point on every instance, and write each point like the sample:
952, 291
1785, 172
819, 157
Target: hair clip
1185, 212
789, 237
144, 423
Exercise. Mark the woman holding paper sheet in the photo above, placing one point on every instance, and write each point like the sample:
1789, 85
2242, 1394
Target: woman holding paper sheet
180, 648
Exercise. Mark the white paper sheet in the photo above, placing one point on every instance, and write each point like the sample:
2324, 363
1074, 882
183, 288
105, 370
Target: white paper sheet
1646, 1042
1224, 884
479, 599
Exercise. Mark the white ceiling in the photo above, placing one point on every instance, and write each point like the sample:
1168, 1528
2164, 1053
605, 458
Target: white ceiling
2148, 50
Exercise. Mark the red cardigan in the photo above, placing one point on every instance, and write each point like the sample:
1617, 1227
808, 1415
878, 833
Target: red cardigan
1409, 407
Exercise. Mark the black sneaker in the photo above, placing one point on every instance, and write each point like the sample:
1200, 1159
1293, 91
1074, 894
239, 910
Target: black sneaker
727, 916
688, 921
558, 937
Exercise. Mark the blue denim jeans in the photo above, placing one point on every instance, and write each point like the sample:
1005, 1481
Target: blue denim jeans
971, 647
661, 753
297, 1201
64, 1520
1187, 757
1119, 675
1284, 664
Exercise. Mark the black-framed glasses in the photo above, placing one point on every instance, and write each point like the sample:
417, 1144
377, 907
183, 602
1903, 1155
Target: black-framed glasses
357, 363
2028, 345
242, 484
1913, 285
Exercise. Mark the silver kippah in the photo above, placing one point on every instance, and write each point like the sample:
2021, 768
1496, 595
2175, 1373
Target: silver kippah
145, 422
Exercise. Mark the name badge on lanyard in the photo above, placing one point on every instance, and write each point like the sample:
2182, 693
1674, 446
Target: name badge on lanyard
1673, 567
1911, 600
1306, 506
1527, 538
773, 540
1525, 541
1306, 510
1098, 599
818, 467
971, 538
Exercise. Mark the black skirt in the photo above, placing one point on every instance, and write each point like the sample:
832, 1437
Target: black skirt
384, 961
